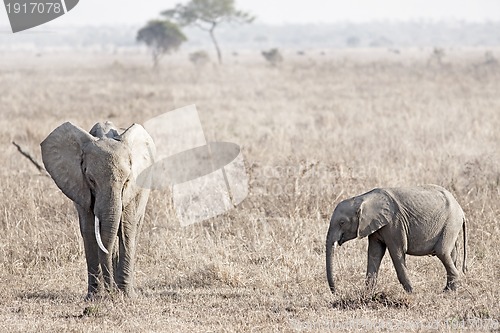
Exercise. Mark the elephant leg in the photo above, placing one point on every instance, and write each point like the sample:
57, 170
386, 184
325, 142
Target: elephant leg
399, 260
127, 244
454, 254
452, 273
86, 219
125, 268
93, 268
376, 251
132, 217
106, 261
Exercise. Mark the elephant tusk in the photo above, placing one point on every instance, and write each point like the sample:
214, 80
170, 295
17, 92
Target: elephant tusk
98, 236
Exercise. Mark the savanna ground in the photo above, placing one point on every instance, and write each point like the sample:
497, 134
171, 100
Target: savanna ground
313, 131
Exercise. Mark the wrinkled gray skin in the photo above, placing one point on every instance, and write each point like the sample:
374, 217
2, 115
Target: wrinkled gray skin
424, 220
98, 171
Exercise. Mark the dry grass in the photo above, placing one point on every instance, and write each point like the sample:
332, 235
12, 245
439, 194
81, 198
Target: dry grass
313, 131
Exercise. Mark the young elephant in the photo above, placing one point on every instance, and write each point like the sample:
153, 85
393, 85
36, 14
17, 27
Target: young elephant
99, 171
423, 220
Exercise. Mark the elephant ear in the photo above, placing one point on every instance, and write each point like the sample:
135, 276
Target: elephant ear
374, 213
62, 157
106, 129
142, 153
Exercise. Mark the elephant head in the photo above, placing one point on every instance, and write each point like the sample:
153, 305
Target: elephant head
99, 174
357, 217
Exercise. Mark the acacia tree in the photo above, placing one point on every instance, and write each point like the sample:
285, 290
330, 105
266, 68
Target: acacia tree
207, 15
162, 37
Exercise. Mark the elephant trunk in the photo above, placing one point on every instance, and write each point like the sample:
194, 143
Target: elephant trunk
107, 223
329, 253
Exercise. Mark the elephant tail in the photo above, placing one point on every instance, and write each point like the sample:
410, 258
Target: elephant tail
464, 230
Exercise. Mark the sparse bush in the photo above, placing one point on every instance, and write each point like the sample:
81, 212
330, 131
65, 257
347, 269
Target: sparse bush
273, 56
489, 59
436, 57
352, 41
199, 58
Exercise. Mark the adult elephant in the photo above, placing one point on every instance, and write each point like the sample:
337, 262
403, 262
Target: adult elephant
99, 171
422, 220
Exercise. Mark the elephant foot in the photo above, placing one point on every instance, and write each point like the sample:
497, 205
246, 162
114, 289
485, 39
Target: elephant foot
132, 295
371, 282
129, 293
93, 296
89, 297
450, 287
408, 288
93, 292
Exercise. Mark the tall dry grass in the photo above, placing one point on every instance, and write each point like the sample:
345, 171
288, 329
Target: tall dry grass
313, 131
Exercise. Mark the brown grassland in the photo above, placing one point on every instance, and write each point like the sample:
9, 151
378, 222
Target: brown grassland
314, 130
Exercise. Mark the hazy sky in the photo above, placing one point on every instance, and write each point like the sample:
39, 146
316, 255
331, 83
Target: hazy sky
96, 12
